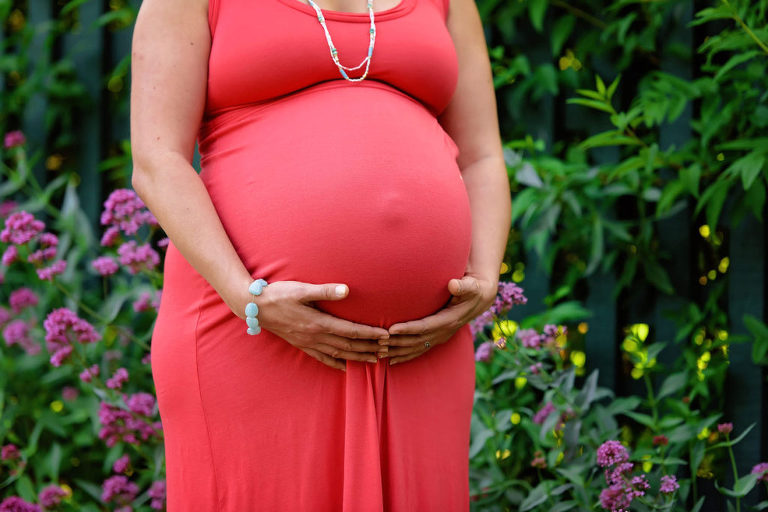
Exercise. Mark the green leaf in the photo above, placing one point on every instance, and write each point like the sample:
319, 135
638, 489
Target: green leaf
643, 419
747, 167
596, 253
596, 104
478, 442
536, 10
742, 486
536, 497
561, 31
672, 384
612, 87
732, 441
600, 84
735, 61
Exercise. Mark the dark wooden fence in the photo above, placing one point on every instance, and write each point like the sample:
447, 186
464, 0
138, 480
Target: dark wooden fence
96, 50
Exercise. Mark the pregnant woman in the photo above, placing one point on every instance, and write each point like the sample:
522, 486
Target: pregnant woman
374, 202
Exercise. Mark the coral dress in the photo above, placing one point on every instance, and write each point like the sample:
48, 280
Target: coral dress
321, 180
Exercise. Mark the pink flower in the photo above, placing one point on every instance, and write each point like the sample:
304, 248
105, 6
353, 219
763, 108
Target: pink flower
119, 489
126, 211
725, 428
762, 470
610, 453
63, 327
69, 393
121, 425
10, 255
7, 207
14, 138
16, 504
543, 413
105, 265
669, 484
9, 452
110, 236
88, 374
536, 368
157, 493
121, 464
163, 242
136, 257
5, 316
141, 403
20, 228
16, 332
51, 495
118, 379
22, 298
484, 352
144, 303
54, 269
529, 338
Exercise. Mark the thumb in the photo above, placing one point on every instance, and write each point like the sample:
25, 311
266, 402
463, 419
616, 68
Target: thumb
460, 286
328, 291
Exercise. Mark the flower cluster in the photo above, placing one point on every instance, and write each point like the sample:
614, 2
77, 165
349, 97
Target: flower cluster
16, 332
623, 488
63, 327
145, 302
22, 298
157, 493
51, 496
118, 424
17, 504
122, 464
761, 469
105, 265
509, 294
21, 229
13, 139
137, 257
124, 212
119, 378
120, 490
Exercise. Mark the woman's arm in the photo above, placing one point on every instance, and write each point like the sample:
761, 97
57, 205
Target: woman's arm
169, 67
471, 120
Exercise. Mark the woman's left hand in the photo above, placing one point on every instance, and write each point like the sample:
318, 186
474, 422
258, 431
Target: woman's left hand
472, 295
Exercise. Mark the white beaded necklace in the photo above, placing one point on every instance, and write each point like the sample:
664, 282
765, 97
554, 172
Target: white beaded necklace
335, 52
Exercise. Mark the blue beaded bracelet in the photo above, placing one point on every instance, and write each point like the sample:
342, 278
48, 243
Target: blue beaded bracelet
251, 309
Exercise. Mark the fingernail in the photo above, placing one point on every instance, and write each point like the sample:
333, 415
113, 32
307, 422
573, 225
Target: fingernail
384, 343
382, 356
341, 290
392, 361
374, 360
384, 336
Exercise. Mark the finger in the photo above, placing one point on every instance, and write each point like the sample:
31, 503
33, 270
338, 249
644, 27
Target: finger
402, 340
448, 317
402, 359
465, 285
395, 352
329, 291
326, 359
345, 328
349, 345
337, 353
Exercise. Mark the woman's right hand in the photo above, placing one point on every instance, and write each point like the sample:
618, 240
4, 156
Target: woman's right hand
286, 309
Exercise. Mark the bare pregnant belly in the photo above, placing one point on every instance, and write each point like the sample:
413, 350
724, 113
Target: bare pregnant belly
343, 183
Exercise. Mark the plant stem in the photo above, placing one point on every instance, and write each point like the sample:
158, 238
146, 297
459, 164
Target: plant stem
735, 471
746, 28
651, 400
